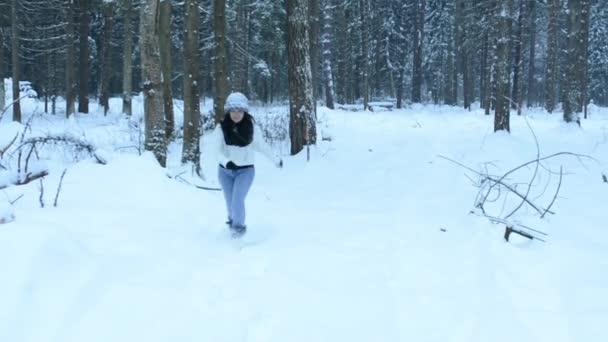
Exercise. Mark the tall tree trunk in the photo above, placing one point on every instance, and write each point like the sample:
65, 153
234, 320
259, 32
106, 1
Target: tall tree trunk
343, 51
106, 62
221, 63
517, 91
532, 53
302, 124
192, 115
83, 71
240, 70
70, 58
314, 14
165, 59
151, 78
576, 63
2, 67
127, 75
486, 72
365, 51
451, 85
503, 47
327, 45
551, 75
15, 60
584, 41
418, 39
402, 56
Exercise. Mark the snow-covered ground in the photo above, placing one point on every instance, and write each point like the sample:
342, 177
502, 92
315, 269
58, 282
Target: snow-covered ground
370, 240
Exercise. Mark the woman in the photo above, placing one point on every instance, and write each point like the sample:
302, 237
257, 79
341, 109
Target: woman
238, 139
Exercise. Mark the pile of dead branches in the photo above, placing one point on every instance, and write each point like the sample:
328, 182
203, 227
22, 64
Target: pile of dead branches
497, 188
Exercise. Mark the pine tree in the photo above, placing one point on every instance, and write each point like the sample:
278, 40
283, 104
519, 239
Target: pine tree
152, 80
302, 123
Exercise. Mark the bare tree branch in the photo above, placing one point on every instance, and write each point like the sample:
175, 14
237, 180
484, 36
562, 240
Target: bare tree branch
556, 192
59, 187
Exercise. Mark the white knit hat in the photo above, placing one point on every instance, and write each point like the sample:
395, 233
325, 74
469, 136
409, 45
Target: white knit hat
236, 102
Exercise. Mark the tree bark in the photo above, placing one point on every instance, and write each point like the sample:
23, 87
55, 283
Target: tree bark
418, 39
70, 58
551, 75
192, 116
2, 67
83, 71
314, 20
532, 98
517, 91
221, 66
151, 76
15, 60
127, 76
365, 51
576, 59
165, 60
502, 63
327, 45
302, 124
240, 69
106, 63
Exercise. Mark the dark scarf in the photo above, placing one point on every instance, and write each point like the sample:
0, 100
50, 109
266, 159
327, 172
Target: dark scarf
240, 134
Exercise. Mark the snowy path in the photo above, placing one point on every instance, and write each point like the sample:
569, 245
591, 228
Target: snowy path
351, 250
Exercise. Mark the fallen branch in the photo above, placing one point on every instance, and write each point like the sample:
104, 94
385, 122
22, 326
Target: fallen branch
495, 181
509, 230
559, 185
4, 149
80, 144
59, 187
27, 178
179, 178
41, 194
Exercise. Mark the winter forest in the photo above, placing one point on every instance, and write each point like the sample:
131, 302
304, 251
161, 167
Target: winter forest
303, 170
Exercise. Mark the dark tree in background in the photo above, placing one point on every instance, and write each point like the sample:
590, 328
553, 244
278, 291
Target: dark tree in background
302, 125
220, 59
83, 61
190, 152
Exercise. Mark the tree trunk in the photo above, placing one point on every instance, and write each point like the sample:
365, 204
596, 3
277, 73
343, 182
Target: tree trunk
106, 62
327, 47
83, 71
302, 124
127, 76
365, 51
314, 48
485, 74
551, 75
240, 69
517, 91
192, 116
532, 53
221, 66
70, 58
451, 90
584, 41
418, 39
343, 52
576, 63
165, 59
402, 56
151, 77
2, 67
502, 66
15, 60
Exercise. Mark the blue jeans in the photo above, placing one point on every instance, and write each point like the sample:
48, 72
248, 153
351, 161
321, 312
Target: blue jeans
236, 184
